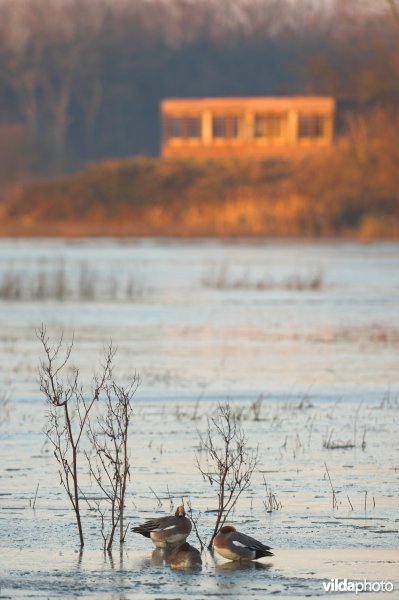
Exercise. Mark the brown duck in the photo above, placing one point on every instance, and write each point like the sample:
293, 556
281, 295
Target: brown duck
233, 545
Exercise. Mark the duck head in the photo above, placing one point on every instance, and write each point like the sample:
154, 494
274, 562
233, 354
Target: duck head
227, 529
180, 512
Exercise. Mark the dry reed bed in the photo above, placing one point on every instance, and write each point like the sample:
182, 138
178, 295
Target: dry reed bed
84, 284
350, 190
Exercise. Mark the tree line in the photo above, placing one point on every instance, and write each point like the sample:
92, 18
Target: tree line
81, 80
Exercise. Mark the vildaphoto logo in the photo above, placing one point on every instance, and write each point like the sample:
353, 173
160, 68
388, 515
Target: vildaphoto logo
356, 586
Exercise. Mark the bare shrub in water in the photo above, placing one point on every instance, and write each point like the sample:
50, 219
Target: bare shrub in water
228, 463
109, 461
69, 410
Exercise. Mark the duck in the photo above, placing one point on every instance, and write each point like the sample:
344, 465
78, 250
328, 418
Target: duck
167, 531
185, 557
233, 545
160, 556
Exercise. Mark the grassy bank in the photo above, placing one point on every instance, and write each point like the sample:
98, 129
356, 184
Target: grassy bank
351, 190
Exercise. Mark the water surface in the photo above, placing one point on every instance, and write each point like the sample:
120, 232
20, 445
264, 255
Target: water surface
203, 322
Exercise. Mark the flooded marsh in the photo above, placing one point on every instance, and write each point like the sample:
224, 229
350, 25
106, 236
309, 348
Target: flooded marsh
302, 340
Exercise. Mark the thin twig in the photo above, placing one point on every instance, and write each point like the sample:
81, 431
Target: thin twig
34, 501
335, 504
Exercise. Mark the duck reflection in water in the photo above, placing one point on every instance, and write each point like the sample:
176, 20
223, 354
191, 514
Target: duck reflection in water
242, 566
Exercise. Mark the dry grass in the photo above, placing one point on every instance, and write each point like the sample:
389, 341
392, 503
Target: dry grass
222, 279
331, 444
270, 502
60, 285
5, 408
350, 190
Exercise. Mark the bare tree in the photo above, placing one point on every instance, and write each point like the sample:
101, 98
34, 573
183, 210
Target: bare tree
22, 41
228, 464
109, 460
69, 410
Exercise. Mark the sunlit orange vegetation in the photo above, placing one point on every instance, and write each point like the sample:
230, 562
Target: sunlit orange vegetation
350, 190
